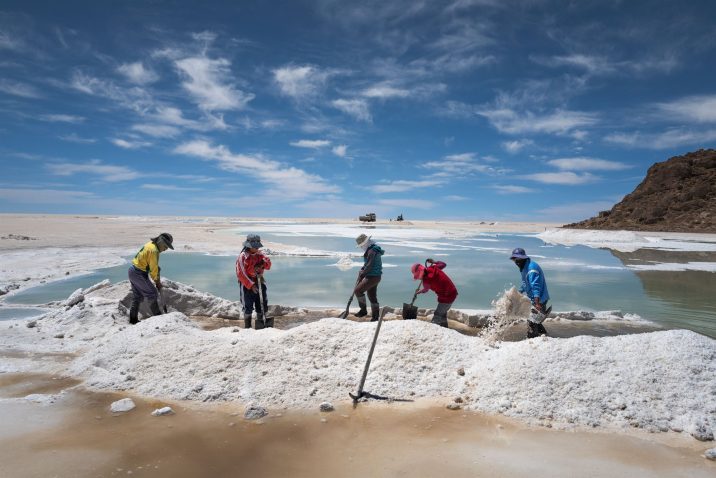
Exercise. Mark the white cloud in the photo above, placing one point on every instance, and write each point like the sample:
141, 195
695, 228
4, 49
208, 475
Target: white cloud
385, 91
603, 66
340, 150
129, 144
455, 197
74, 138
694, 109
300, 82
668, 139
459, 165
407, 203
508, 189
402, 186
61, 118
208, 82
510, 121
566, 178
285, 182
44, 196
22, 90
514, 147
457, 110
106, 172
156, 130
356, 108
311, 143
134, 98
463, 157
587, 164
137, 73
167, 187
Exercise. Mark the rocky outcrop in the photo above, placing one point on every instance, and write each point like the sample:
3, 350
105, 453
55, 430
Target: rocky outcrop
676, 195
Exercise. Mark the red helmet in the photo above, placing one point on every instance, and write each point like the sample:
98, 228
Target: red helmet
418, 270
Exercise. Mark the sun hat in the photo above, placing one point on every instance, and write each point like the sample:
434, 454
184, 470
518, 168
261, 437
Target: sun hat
362, 239
166, 238
418, 270
253, 241
519, 253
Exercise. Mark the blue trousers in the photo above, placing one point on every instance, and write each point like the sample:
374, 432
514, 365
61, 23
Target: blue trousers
251, 300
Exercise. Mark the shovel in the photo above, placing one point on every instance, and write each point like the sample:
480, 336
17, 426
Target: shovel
268, 321
410, 312
360, 393
350, 301
161, 293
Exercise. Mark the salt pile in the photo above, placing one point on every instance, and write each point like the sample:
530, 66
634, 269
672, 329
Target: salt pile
657, 381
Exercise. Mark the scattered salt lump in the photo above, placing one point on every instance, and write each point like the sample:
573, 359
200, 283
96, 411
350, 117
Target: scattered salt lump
254, 412
710, 454
162, 411
344, 263
123, 405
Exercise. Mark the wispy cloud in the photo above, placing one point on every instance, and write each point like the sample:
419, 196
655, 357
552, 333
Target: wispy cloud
671, 138
23, 90
459, 165
565, 178
510, 189
514, 147
385, 91
509, 121
167, 187
61, 118
587, 164
137, 73
356, 108
135, 98
74, 138
156, 130
301, 82
311, 143
208, 82
129, 144
106, 172
282, 182
602, 66
44, 196
694, 109
402, 186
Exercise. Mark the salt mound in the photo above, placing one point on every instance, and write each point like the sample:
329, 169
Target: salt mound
625, 241
344, 263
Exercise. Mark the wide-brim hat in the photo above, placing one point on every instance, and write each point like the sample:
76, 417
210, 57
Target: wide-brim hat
253, 241
166, 238
362, 240
519, 253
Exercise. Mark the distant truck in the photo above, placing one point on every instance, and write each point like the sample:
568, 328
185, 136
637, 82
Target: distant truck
370, 217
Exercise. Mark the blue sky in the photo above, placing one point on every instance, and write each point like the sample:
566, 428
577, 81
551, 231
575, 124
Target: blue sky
462, 109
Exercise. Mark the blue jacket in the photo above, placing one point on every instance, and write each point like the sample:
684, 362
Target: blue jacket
533, 282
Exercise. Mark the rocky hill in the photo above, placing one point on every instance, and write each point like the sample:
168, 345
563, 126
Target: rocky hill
676, 195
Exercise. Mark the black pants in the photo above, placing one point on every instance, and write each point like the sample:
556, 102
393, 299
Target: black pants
535, 330
251, 300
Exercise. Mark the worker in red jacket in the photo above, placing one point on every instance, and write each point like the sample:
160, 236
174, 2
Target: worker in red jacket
433, 278
250, 266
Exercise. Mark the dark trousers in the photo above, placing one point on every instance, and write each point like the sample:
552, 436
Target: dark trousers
251, 300
142, 288
370, 285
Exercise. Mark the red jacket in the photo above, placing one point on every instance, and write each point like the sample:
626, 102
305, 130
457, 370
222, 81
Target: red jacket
248, 265
438, 281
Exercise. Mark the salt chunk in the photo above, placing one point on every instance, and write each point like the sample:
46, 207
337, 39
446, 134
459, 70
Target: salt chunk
162, 411
75, 298
123, 405
327, 407
254, 412
710, 454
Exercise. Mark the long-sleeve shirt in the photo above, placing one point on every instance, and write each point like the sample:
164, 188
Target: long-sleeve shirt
533, 282
248, 265
372, 262
439, 282
147, 260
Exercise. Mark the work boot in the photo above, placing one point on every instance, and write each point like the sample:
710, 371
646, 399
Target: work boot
440, 320
374, 312
247, 321
154, 307
133, 314
363, 309
533, 330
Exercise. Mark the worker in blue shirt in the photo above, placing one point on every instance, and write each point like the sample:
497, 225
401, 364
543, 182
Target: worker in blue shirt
534, 286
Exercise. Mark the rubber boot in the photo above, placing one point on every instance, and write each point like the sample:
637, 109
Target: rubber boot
363, 309
154, 307
247, 321
133, 314
440, 320
374, 312
533, 330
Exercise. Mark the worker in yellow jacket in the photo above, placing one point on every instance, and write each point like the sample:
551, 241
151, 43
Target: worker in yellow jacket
145, 265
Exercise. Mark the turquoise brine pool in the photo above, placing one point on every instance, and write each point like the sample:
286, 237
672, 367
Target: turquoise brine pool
579, 278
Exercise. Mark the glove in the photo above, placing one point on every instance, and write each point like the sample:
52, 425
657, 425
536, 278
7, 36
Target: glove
158, 284
538, 304
254, 289
429, 261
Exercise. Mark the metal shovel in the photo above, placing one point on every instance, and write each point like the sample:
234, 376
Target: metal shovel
268, 321
360, 393
410, 311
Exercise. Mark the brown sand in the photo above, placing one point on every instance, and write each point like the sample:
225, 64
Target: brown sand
78, 436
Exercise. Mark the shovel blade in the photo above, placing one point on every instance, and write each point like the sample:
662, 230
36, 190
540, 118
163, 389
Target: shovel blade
268, 322
410, 312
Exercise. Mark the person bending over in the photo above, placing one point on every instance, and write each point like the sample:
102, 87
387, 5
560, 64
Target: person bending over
433, 278
145, 265
369, 276
534, 286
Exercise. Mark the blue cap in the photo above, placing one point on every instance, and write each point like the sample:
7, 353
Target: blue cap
519, 253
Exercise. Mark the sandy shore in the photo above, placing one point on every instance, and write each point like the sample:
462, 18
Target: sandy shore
78, 436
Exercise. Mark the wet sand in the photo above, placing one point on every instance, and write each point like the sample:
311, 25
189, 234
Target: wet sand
78, 436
